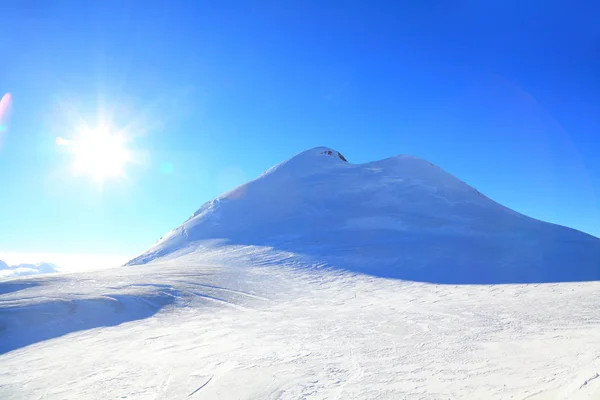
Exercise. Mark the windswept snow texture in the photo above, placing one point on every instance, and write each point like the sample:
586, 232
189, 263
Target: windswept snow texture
401, 217
248, 322
10, 271
67, 306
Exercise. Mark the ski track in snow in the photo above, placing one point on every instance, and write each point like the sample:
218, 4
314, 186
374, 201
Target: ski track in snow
321, 334
200, 387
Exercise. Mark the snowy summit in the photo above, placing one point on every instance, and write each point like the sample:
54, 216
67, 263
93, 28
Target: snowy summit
401, 217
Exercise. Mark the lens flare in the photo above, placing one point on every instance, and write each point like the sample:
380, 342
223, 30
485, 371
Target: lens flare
62, 141
4, 107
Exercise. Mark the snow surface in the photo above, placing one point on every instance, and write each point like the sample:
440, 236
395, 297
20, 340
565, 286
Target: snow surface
286, 288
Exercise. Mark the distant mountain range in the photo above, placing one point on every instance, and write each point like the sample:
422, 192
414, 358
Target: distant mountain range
7, 271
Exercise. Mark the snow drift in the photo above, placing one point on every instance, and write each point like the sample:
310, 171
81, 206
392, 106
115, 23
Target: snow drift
400, 217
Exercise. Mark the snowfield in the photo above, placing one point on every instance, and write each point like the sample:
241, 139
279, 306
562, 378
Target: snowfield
322, 279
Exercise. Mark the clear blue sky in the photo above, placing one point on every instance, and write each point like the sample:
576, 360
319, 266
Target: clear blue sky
503, 94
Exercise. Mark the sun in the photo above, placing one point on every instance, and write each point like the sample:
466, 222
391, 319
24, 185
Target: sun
99, 153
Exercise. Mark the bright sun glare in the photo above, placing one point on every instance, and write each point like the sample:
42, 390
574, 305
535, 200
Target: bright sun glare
100, 153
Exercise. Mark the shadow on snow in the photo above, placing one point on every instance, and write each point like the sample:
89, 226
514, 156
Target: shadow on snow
23, 325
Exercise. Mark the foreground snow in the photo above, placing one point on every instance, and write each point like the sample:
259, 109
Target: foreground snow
248, 322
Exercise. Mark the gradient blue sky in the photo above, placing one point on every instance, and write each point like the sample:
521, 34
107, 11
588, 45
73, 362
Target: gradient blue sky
503, 94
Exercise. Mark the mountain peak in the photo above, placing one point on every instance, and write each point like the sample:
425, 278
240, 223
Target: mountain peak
399, 217
325, 151
309, 161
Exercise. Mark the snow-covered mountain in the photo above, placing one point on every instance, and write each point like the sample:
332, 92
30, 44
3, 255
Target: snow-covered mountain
401, 217
9, 271
281, 289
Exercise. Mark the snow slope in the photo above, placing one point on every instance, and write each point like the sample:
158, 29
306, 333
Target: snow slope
282, 289
252, 323
401, 217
